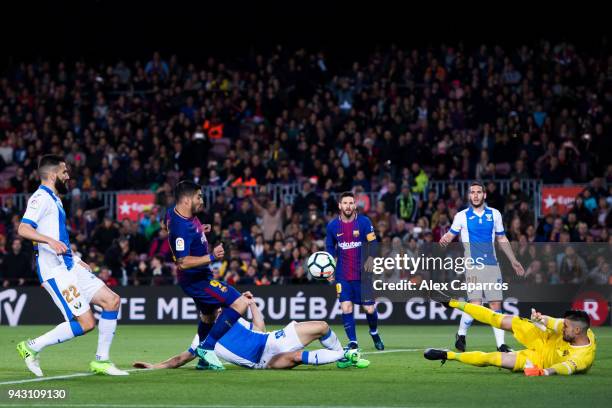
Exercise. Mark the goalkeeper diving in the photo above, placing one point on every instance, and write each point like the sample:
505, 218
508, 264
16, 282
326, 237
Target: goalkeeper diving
563, 346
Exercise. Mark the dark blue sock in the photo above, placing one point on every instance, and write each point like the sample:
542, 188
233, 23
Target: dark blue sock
221, 326
349, 326
203, 329
373, 322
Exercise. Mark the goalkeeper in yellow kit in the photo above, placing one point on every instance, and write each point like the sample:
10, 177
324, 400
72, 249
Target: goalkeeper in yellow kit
553, 346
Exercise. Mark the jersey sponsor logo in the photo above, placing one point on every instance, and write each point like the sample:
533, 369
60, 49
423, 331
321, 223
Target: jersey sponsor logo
349, 245
180, 244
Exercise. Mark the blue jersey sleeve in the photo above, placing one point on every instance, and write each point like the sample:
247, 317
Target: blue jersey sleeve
330, 239
367, 229
180, 241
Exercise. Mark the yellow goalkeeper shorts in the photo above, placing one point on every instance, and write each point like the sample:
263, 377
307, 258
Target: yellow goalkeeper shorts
533, 338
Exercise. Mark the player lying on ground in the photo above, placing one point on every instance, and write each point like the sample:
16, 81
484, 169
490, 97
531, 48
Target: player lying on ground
67, 278
247, 344
553, 346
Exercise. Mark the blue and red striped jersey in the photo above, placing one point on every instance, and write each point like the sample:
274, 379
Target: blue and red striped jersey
344, 241
187, 238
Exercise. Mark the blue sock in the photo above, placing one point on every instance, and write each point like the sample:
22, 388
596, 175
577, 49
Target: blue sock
349, 326
203, 329
221, 326
373, 322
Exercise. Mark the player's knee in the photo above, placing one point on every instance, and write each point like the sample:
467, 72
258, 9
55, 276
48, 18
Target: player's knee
240, 305
347, 308
369, 309
113, 302
323, 328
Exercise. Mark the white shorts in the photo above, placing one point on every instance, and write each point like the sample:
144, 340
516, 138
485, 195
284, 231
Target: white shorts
72, 290
489, 274
280, 341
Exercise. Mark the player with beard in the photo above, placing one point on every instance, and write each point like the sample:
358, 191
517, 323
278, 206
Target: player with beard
350, 238
552, 346
479, 226
189, 246
67, 278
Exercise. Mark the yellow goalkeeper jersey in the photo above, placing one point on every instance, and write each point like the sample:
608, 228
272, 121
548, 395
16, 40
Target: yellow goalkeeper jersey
562, 356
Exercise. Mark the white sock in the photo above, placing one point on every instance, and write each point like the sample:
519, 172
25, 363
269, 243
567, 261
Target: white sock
330, 341
465, 323
499, 333
59, 334
321, 356
106, 332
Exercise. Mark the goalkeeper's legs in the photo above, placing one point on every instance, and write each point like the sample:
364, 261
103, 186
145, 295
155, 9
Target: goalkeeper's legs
484, 314
475, 358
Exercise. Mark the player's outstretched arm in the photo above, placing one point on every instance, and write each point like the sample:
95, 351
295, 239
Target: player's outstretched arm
173, 362
505, 246
188, 262
28, 232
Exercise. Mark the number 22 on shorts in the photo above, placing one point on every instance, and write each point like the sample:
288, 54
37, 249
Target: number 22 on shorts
70, 296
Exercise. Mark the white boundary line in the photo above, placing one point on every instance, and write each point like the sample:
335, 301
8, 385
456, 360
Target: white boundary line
63, 377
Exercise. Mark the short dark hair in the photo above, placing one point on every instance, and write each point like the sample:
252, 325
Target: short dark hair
50, 160
47, 161
477, 183
578, 316
346, 194
186, 188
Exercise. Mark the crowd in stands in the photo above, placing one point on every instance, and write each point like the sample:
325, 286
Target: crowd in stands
390, 125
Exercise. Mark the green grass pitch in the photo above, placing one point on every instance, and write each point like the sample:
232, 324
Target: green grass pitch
398, 377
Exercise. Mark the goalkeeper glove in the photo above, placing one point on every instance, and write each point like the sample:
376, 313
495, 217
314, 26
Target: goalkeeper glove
533, 371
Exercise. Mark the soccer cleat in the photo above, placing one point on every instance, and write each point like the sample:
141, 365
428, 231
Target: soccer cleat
106, 367
378, 343
460, 342
30, 357
352, 345
211, 358
435, 354
203, 365
504, 348
439, 297
352, 355
362, 363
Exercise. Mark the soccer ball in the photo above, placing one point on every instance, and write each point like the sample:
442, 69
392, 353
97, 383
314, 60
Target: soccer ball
321, 265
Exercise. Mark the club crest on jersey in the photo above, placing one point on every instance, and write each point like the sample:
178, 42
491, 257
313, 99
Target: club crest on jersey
489, 217
356, 233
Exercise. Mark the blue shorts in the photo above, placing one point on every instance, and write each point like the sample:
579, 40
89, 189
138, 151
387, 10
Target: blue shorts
209, 295
351, 291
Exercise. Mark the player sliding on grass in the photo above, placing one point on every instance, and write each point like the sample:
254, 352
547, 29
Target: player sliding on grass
247, 344
553, 346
